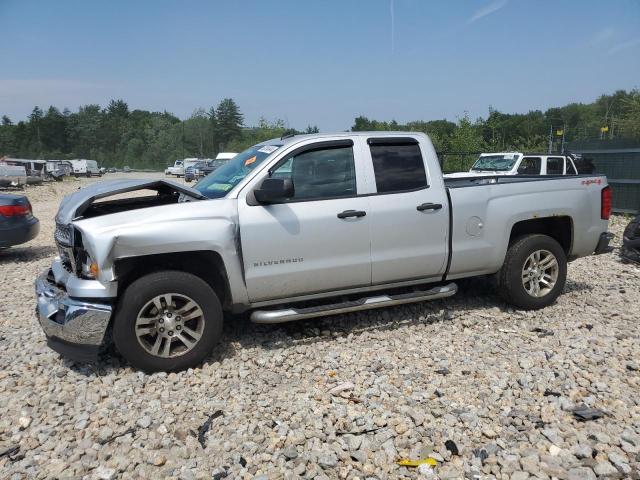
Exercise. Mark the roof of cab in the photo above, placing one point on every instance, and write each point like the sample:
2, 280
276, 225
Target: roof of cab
311, 136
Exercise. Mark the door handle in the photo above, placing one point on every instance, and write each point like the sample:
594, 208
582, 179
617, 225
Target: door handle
429, 206
351, 213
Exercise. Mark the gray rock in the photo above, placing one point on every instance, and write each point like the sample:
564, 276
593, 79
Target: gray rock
104, 473
582, 451
581, 473
144, 422
290, 452
605, 469
328, 460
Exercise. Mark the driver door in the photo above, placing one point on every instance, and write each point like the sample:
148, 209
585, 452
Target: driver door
316, 241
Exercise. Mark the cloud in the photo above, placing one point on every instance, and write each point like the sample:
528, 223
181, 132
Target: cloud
624, 45
602, 36
487, 10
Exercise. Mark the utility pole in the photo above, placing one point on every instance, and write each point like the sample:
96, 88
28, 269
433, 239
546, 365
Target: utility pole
612, 126
564, 128
550, 137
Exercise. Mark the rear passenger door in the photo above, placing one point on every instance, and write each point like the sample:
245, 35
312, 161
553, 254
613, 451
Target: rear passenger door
409, 218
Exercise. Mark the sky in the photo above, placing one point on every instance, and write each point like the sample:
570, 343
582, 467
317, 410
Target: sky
317, 62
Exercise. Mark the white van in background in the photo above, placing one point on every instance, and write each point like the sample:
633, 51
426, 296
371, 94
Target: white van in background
85, 168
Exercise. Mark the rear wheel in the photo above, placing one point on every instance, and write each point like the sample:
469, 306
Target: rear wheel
167, 321
534, 272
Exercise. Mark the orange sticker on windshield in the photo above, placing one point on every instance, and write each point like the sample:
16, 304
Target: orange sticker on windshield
249, 161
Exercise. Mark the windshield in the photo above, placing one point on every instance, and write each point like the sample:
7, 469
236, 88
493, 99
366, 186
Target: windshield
495, 163
223, 179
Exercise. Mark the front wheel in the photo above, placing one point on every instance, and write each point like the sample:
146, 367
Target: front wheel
534, 272
167, 321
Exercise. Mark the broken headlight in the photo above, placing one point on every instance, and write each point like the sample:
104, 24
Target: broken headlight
89, 268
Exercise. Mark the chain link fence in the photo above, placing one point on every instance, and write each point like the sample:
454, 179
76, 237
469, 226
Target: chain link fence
619, 160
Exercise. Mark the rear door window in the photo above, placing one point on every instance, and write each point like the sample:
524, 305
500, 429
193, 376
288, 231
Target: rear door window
397, 166
555, 166
530, 166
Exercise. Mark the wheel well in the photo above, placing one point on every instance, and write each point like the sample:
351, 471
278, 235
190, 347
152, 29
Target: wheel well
204, 264
558, 228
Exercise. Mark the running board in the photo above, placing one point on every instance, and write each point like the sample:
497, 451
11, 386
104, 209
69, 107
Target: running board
288, 314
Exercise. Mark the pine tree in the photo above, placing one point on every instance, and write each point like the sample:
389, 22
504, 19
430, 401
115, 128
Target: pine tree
229, 120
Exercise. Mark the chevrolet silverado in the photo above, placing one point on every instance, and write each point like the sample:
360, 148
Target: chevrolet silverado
300, 227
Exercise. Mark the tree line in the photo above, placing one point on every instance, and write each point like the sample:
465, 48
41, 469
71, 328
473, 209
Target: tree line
117, 136
610, 116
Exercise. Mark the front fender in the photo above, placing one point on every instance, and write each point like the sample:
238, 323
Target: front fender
184, 227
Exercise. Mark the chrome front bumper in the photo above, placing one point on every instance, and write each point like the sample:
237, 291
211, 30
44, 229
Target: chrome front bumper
73, 327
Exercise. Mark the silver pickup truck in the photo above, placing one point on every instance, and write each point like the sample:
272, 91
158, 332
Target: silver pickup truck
300, 227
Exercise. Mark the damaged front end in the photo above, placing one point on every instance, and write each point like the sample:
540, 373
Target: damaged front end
97, 200
74, 304
85, 203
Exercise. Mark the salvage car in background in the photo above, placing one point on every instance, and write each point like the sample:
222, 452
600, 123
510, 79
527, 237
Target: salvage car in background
193, 172
17, 223
36, 169
12, 176
213, 165
301, 227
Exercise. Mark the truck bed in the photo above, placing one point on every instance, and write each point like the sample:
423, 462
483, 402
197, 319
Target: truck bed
474, 181
483, 217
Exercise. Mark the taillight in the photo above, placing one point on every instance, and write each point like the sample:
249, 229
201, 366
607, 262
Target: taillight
15, 210
605, 203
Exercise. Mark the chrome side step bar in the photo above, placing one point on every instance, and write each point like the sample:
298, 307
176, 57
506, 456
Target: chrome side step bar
288, 314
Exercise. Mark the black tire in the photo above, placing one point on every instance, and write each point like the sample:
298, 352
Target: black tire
510, 284
139, 293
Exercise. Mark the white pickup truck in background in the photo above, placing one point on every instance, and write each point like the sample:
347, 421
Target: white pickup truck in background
176, 169
180, 166
517, 163
301, 227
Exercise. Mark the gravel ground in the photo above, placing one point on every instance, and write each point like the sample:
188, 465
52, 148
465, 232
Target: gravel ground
341, 397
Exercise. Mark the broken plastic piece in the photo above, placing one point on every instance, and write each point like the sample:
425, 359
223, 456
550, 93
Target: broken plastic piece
451, 446
341, 388
584, 413
407, 462
542, 332
202, 431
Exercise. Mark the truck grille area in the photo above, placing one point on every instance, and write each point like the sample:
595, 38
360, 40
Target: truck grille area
62, 235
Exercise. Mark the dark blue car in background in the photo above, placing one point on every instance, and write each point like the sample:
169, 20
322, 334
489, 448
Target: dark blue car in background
17, 223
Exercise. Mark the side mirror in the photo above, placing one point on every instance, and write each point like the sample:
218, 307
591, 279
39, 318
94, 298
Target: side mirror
274, 190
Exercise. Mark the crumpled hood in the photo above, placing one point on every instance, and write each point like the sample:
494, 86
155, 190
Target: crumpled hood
74, 204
